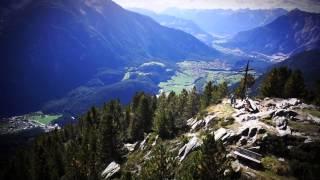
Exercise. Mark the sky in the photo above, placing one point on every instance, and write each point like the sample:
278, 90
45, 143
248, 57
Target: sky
160, 5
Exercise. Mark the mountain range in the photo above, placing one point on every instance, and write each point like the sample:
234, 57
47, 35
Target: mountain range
289, 34
187, 26
221, 22
48, 48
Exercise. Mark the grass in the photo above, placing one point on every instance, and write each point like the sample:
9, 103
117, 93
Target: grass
192, 73
313, 112
222, 111
268, 121
44, 118
304, 127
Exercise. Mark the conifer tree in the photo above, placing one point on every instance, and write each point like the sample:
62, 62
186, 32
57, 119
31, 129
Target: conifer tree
207, 95
213, 159
193, 103
182, 111
161, 123
160, 166
294, 86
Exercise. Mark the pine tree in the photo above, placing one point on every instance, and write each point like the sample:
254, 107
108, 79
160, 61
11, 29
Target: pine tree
213, 159
274, 82
207, 95
182, 110
294, 86
160, 166
193, 103
161, 123
108, 134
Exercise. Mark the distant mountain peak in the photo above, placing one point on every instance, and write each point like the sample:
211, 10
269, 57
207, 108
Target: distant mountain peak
291, 33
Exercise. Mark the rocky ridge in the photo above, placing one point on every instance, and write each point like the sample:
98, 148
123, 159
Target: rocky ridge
246, 125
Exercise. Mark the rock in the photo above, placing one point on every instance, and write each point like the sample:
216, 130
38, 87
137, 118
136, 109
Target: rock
308, 140
235, 165
253, 132
266, 114
187, 148
155, 141
198, 125
143, 143
227, 172
313, 118
111, 170
252, 106
220, 133
244, 131
209, 120
239, 104
130, 147
293, 102
243, 141
281, 122
287, 103
195, 124
286, 113
246, 117
283, 132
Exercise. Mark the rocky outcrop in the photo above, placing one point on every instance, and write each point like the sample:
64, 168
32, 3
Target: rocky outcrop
195, 124
130, 147
110, 170
190, 146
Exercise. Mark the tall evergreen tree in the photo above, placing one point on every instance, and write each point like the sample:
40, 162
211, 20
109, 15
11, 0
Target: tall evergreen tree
160, 166
193, 103
108, 145
294, 86
273, 83
213, 159
182, 110
207, 95
162, 124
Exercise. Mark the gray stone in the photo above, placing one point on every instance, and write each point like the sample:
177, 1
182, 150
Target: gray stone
110, 170
187, 148
281, 122
218, 134
130, 147
235, 165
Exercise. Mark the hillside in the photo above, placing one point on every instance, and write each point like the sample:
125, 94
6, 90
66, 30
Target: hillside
48, 48
307, 62
289, 34
252, 139
187, 26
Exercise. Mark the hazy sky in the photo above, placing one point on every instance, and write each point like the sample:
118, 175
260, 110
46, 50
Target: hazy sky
159, 5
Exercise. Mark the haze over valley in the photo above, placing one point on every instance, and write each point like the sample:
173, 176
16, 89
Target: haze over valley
109, 81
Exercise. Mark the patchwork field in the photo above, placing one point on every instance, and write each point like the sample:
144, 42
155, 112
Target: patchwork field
42, 118
197, 73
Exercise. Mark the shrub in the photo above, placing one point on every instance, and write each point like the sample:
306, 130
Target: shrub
272, 164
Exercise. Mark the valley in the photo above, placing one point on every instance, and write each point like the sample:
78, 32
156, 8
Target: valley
111, 89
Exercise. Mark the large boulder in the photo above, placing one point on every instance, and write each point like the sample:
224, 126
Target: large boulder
281, 122
190, 146
252, 106
287, 103
286, 113
220, 133
110, 170
130, 147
